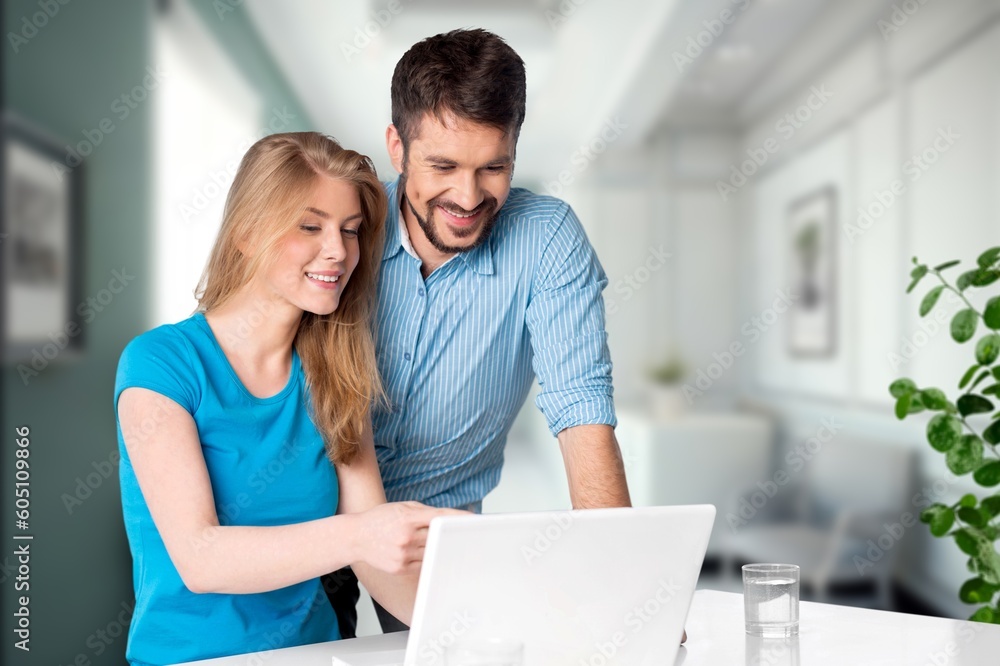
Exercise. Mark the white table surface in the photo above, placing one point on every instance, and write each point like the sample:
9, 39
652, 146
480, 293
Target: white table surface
828, 634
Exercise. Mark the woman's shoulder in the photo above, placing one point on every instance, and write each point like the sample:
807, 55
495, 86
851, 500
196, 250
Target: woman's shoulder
163, 358
166, 340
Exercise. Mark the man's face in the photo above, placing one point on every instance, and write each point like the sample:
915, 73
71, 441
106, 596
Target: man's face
455, 177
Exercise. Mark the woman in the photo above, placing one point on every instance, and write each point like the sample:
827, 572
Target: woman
248, 467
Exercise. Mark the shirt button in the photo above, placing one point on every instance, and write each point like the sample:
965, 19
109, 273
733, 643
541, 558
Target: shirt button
407, 356
421, 292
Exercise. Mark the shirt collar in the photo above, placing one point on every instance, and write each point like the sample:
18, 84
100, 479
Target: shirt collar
397, 238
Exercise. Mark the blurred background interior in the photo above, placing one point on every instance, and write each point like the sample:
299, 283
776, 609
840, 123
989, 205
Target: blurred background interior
754, 174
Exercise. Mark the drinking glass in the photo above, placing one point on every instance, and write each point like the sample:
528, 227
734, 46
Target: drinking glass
771, 599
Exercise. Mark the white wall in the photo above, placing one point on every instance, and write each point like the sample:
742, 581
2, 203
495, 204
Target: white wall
892, 98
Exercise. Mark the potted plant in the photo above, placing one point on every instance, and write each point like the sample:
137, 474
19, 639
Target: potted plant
973, 522
667, 401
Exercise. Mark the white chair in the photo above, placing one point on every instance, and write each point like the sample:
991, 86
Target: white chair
841, 523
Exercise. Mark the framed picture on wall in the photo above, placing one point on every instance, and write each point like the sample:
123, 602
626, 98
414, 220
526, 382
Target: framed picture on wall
39, 242
812, 252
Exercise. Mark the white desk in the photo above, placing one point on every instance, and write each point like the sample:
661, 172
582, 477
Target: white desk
828, 635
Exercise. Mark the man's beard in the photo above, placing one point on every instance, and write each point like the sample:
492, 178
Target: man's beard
488, 209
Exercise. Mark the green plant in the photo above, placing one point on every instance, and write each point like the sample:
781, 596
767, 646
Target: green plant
973, 522
670, 372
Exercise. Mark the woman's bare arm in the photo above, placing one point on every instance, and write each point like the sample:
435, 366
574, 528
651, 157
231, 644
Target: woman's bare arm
362, 491
171, 471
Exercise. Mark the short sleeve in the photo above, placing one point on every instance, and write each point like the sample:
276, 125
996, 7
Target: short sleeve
160, 360
565, 317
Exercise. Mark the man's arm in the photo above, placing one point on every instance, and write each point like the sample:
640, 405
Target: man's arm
594, 467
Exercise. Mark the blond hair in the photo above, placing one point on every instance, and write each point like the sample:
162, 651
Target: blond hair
266, 201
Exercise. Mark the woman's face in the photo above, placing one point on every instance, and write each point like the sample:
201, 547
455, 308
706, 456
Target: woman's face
316, 258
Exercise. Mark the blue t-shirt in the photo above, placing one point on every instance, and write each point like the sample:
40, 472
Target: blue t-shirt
267, 465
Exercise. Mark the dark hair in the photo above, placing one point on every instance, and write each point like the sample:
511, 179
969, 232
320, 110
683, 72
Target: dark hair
474, 74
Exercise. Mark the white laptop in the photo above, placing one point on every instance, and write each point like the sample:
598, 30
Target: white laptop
603, 586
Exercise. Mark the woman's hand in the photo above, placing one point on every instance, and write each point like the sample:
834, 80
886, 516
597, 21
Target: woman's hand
393, 535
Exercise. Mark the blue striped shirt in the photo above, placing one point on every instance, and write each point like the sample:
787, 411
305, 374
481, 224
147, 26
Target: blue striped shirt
459, 350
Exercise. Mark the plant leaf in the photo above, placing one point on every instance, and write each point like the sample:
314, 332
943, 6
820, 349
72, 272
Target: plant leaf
965, 279
991, 315
966, 455
918, 272
993, 389
988, 258
987, 349
927, 515
902, 387
984, 614
974, 404
977, 591
963, 325
940, 517
967, 543
971, 517
992, 433
988, 475
946, 265
984, 277
991, 505
903, 406
979, 379
930, 300
943, 432
968, 500
988, 559
934, 399
967, 377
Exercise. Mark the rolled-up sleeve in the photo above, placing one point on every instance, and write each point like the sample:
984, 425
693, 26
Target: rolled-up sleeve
565, 318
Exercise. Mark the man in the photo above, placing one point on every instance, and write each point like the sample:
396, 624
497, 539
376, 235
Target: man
482, 288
